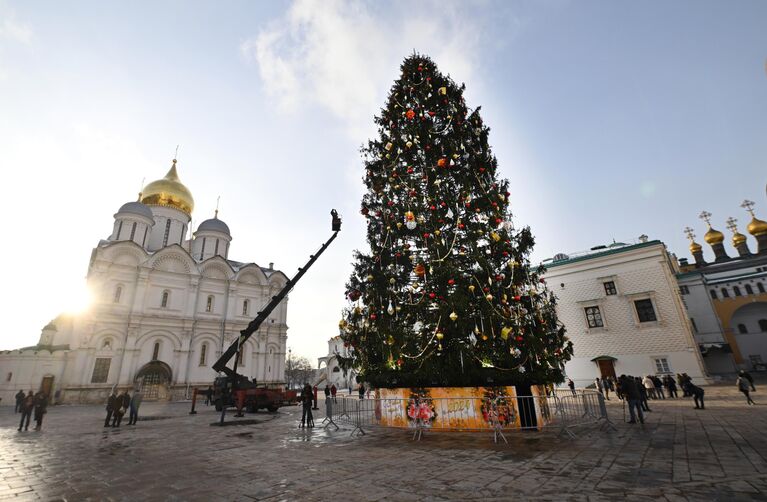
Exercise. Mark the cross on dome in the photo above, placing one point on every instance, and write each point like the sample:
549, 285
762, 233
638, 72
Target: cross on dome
706, 216
690, 234
748, 205
731, 224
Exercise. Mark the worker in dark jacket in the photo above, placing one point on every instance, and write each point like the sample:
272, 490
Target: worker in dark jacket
19, 401
745, 374
307, 397
633, 396
41, 408
26, 410
696, 393
121, 406
111, 403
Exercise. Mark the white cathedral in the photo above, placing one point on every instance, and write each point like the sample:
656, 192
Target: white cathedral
165, 307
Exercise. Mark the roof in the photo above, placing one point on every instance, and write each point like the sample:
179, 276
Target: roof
136, 208
732, 265
614, 248
214, 225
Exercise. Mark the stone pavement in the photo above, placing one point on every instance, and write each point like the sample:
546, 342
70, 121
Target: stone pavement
680, 454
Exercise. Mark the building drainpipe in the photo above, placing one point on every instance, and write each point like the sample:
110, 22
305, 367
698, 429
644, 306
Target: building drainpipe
226, 312
192, 336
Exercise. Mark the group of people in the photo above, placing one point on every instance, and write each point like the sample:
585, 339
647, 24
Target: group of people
118, 405
26, 404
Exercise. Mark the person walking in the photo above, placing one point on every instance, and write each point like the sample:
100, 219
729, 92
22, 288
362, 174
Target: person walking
633, 397
135, 402
668, 381
362, 391
743, 386
307, 420
649, 386
327, 392
571, 384
208, 395
333, 392
642, 394
658, 386
745, 374
41, 408
121, 406
26, 411
607, 386
19, 401
696, 393
111, 402
598, 385
314, 395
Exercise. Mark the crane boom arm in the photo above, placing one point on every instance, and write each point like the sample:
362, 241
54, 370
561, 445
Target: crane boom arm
253, 326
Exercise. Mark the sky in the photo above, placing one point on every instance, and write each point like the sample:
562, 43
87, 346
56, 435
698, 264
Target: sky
610, 118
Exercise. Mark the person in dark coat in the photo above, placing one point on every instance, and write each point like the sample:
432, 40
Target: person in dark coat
668, 381
743, 386
314, 398
633, 396
362, 391
571, 384
680, 381
696, 393
111, 403
26, 411
19, 401
327, 392
333, 391
208, 395
121, 406
658, 386
41, 408
642, 394
307, 397
745, 374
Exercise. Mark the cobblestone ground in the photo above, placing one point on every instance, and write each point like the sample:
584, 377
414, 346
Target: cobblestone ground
680, 454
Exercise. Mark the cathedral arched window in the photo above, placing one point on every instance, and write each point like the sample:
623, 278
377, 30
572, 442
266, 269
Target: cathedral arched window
241, 359
245, 305
215, 253
202, 249
167, 233
209, 304
133, 231
736, 290
760, 287
119, 230
742, 329
143, 242
749, 289
118, 294
107, 345
725, 294
165, 299
203, 353
156, 351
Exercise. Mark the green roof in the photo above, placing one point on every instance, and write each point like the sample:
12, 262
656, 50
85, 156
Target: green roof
600, 253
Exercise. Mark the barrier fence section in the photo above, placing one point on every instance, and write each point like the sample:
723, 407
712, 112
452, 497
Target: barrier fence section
561, 411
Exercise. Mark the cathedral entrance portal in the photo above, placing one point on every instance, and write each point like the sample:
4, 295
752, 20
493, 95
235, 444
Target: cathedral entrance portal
154, 379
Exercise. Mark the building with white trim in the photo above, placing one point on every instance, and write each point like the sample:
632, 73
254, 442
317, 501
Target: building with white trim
622, 310
165, 307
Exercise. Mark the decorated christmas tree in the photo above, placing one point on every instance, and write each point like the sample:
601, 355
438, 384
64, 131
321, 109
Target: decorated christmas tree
446, 296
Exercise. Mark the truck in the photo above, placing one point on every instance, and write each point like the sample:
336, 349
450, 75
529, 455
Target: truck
230, 389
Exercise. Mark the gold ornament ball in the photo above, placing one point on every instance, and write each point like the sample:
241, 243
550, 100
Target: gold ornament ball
471, 288
489, 297
453, 316
370, 278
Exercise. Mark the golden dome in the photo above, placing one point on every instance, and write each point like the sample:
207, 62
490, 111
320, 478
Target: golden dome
169, 191
738, 239
695, 247
757, 227
713, 236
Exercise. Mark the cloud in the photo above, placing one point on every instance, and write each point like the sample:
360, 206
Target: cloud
13, 30
343, 56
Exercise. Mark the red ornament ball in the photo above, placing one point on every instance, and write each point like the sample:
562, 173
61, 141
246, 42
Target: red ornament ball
410, 114
373, 317
451, 282
432, 295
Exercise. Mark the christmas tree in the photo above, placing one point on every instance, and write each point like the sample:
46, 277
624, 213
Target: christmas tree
446, 296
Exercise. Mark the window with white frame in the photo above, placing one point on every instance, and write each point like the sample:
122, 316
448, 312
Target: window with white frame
645, 310
209, 304
610, 288
661, 365
594, 317
101, 370
165, 298
203, 354
245, 305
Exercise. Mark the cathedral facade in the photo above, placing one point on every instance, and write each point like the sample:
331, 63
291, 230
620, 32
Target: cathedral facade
165, 307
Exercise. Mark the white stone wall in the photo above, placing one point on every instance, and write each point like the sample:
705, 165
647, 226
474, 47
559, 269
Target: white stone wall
639, 272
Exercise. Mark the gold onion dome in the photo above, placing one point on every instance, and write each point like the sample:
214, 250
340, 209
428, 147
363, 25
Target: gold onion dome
169, 191
738, 239
757, 227
695, 247
713, 236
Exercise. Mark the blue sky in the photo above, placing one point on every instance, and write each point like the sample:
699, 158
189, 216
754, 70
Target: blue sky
610, 118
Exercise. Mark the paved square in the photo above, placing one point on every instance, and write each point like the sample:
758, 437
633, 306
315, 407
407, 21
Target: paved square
680, 454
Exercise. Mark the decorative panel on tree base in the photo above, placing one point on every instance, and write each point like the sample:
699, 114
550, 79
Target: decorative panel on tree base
462, 408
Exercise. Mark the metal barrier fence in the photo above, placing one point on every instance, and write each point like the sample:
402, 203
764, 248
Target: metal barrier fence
562, 411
